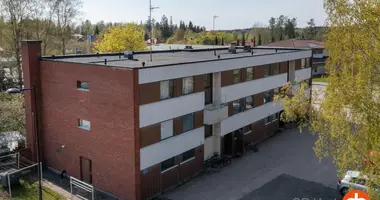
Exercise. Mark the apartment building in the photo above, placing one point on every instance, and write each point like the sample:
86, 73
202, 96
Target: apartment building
135, 127
320, 54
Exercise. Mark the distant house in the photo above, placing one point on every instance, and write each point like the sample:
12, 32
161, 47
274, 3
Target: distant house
319, 53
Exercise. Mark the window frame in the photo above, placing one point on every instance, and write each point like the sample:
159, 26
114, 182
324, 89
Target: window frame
252, 103
264, 97
170, 89
170, 124
252, 77
266, 71
183, 121
189, 157
174, 164
184, 85
240, 106
234, 76
80, 85
208, 89
82, 126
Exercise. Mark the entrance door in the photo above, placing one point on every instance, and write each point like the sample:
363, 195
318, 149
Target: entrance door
227, 144
239, 142
85, 170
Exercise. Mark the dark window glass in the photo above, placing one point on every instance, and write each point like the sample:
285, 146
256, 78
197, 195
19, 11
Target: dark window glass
208, 131
187, 122
249, 102
274, 69
247, 129
266, 71
267, 98
208, 88
188, 155
250, 73
82, 85
236, 107
236, 76
167, 164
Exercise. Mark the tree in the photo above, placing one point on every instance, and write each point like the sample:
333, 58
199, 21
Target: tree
216, 40
259, 42
191, 27
243, 39
12, 117
272, 22
165, 28
96, 31
222, 41
290, 28
311, 30
16, 12
254, 40
121, 38
67, 11
347, 121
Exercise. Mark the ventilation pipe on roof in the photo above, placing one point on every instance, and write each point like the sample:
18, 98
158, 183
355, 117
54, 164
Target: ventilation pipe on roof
128, 54
232, 48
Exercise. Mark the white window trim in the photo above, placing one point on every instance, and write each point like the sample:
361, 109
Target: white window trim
82, 89
168, 169
188, 160
246, 133
84, 127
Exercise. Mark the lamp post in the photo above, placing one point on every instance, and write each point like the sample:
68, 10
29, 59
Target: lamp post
35, 116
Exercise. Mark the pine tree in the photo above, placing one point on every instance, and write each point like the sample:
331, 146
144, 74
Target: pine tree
259, 42
254, 40
216, 40
96, 31
222, 41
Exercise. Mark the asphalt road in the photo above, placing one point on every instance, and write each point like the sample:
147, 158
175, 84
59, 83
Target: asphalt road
284, 168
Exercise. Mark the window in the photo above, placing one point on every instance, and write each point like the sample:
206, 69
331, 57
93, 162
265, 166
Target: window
187, 85
208, 89
308, 63
247, 129
275, 117
166, 129
166, 89
250, 73
266, 71
267, 98
187, 122
188, 155
82, 85
84, 124
236, 76
266, 120
168, 164
274, 69
236, 107
276, 91
303, 63
249, 102
208, 131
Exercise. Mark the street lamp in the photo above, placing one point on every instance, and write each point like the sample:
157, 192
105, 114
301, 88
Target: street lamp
35, 115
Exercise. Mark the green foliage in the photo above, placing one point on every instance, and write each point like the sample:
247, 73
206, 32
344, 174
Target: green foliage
347, 120
12, 117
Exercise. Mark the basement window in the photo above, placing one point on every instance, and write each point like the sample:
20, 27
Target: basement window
188, 155
82, 85
168, 164
84, 124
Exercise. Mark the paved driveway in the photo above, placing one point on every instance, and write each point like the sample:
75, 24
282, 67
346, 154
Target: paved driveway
285, 165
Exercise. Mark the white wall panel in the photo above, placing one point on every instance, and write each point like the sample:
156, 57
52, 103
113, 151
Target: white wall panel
171, 108
154, 74
168, 148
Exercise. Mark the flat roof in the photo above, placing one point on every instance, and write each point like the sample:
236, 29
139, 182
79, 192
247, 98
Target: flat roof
165, 57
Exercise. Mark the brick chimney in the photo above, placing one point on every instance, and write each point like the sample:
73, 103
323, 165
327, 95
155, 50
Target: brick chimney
30, 54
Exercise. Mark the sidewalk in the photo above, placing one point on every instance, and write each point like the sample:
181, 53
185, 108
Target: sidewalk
319, 83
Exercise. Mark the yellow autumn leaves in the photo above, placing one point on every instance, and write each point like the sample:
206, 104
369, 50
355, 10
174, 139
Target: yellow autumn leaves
128, 37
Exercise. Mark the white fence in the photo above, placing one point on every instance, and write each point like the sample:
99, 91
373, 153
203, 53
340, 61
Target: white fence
83, 186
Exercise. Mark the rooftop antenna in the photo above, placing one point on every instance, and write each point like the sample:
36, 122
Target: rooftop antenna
151, 27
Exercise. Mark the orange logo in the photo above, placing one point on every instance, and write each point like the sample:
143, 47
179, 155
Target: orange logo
356, 195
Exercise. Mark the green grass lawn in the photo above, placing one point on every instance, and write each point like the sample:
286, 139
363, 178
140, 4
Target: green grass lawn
320, 79
29, 191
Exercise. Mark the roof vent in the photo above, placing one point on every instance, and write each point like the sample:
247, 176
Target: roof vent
128, 54
188, 47
232, 48
247, 48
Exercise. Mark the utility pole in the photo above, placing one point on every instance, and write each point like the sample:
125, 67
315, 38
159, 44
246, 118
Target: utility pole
151, 27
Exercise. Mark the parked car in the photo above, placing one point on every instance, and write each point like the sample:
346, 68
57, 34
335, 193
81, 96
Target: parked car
352, 180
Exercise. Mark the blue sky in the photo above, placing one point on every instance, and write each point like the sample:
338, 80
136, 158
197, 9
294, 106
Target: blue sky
232, 13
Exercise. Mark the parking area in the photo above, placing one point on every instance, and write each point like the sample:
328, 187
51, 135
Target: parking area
284, 168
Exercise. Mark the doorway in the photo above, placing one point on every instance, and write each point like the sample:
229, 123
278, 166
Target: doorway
228, 144
85, 170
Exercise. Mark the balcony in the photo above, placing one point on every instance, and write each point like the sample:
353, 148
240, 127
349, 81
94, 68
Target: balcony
215, 113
